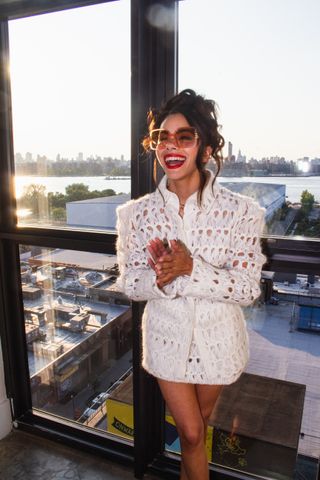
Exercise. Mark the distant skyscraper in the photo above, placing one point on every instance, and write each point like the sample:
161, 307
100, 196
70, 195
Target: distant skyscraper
229, 151
241, 158
80, 157
29, 157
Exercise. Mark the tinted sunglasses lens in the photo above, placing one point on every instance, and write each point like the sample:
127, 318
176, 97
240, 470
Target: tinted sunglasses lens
158, 137
186, 138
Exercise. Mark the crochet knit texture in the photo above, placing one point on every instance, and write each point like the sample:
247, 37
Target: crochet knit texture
193, 329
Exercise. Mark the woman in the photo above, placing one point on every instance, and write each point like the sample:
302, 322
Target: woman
191, 248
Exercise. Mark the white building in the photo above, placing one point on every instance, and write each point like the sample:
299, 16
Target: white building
95, 212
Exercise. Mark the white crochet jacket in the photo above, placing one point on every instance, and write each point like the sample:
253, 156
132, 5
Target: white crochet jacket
193, 329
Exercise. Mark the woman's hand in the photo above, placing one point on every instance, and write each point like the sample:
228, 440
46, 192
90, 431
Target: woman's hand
171, 265
156, 250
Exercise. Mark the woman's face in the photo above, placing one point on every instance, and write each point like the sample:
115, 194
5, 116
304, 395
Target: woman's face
178, 163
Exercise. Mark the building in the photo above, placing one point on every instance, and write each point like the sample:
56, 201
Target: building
96, 212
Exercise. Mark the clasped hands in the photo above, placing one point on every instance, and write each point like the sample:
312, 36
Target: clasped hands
169, 262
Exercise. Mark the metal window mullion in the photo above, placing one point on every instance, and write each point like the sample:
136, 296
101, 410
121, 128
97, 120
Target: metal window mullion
15, 355
154, 79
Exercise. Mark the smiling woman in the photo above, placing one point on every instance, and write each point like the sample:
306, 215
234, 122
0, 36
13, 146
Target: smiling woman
194, 335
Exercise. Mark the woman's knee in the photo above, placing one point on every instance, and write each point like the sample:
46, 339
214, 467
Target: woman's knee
191, 436
206, 413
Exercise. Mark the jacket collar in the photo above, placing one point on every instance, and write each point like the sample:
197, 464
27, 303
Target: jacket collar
171, 198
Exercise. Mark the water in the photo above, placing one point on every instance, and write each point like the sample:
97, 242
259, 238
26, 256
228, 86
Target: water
295, 185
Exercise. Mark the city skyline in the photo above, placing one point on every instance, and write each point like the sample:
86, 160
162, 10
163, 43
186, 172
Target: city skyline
257, 60
33, 157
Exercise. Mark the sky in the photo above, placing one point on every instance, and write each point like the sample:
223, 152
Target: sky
258, 59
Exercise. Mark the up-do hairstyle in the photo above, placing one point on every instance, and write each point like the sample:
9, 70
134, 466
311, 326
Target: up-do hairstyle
201, 114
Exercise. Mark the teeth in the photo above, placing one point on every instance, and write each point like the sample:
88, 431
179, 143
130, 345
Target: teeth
174, 159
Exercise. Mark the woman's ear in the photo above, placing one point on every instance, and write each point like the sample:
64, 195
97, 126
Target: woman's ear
207, 154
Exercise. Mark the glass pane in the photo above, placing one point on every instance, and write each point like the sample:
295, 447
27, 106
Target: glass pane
256, 59
265, 423
70, 76
78, 333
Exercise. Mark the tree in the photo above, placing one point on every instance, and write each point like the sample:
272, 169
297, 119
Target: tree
59, 214
77, 191
57, 200
34, 197
307, 201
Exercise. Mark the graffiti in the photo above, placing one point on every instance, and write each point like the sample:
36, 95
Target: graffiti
230, 444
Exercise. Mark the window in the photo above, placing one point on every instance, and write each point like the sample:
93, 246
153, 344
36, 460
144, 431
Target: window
252, 60
78, 335
72, 405
70, 77
259, 65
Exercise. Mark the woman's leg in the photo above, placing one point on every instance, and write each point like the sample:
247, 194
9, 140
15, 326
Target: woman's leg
207, 398
183, 403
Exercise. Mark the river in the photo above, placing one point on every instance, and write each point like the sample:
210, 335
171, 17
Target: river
294, 185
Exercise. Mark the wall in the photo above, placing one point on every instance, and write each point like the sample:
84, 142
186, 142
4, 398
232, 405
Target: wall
5, 413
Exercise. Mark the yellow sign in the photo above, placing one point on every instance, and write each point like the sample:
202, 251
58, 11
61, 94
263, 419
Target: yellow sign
120, 418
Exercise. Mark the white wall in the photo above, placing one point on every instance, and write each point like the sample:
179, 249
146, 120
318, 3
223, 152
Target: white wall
5, 413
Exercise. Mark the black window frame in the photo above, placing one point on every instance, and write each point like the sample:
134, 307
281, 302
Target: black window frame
154, 60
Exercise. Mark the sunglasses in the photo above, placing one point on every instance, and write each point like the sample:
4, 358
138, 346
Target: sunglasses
185, 137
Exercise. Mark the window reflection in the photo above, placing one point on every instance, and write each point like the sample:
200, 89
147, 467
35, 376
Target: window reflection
78, 334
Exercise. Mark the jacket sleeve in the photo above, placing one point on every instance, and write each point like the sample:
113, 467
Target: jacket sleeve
137, 279
238, 281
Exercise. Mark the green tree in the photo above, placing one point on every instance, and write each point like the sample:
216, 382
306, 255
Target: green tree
77, 191
59, 214
307, 201
57, 200
103, 193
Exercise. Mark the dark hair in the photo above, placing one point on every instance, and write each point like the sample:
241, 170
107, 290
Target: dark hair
200, 113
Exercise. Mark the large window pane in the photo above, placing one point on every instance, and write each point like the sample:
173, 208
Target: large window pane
70, 75
257, 60
78, 333
266, 422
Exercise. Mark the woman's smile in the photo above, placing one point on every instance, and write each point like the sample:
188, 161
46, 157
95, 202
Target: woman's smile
174, 160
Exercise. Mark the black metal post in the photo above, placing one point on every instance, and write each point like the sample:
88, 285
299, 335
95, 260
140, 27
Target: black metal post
154, 79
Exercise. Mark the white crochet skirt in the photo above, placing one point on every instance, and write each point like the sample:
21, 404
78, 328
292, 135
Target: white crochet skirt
195, 372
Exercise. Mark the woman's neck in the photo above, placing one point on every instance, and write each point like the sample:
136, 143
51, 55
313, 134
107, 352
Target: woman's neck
184, 188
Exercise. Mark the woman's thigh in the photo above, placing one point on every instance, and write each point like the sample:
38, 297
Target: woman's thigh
207, 396
182, 401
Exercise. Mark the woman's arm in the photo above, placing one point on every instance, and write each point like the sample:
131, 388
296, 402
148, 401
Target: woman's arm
137, 279
239, 280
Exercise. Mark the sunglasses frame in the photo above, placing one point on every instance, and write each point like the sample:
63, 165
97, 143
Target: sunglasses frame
154, 145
